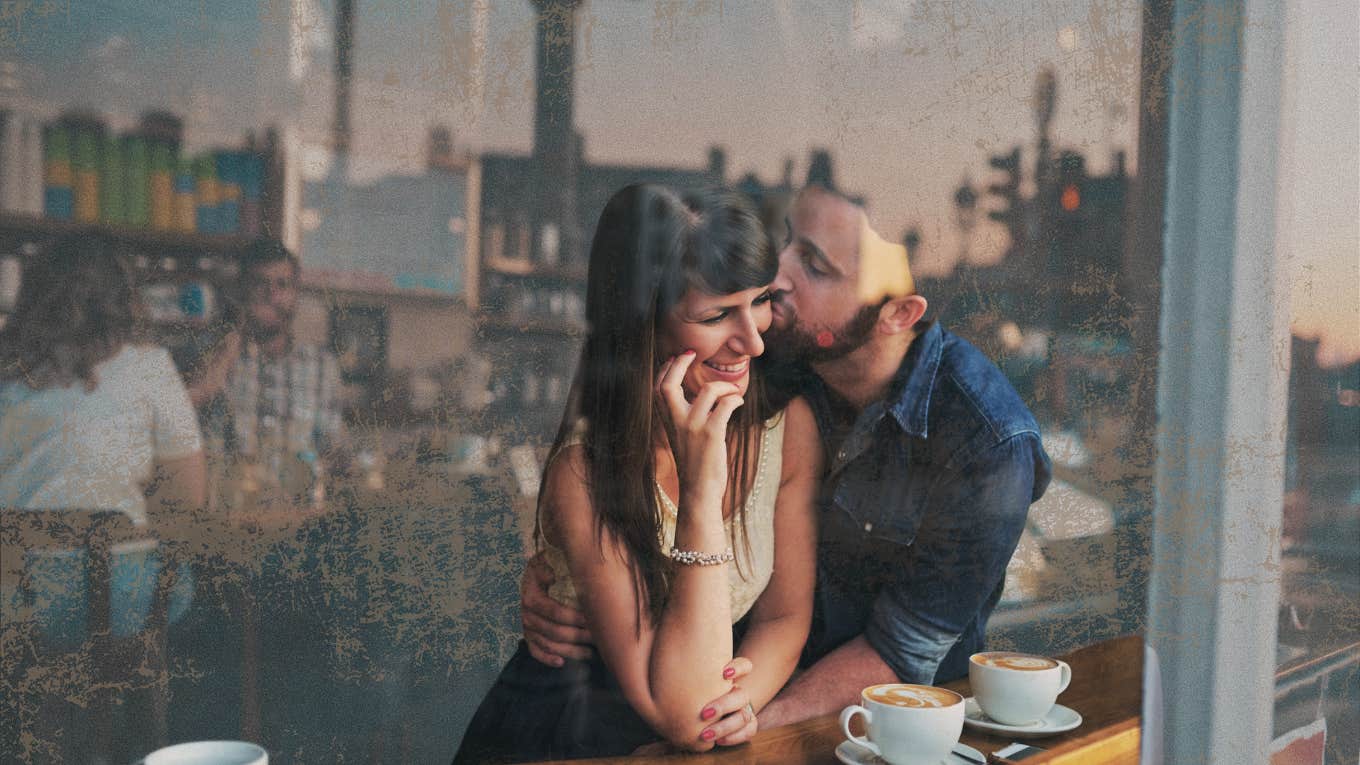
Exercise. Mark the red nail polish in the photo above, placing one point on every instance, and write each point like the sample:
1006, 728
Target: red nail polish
729, 672
707, 713
707, 735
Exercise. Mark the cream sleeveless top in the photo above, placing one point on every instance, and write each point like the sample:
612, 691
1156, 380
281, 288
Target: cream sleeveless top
747, 578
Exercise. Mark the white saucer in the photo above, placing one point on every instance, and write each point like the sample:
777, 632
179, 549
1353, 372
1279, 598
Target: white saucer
1058, 720
851, 753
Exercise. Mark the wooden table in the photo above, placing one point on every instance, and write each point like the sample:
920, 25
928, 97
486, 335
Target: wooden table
360, 531
231, 549
1107, 680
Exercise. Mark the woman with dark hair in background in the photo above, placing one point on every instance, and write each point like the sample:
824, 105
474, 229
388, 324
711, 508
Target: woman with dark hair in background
90, 418
674, 502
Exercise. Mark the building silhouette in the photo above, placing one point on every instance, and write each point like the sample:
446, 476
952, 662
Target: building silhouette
386, 263
772, 200
1055, 310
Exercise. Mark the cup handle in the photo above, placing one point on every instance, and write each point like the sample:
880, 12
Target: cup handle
846, 714
1066, 675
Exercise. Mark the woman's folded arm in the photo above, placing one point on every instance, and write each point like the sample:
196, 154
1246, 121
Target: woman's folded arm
669, 669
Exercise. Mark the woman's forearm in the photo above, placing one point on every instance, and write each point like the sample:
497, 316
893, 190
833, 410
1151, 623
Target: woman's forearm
693, 640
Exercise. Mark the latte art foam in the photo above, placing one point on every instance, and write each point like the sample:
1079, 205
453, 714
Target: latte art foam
1020, 661
911, 696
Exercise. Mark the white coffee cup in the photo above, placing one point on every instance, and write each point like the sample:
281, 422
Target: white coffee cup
1016, 688
907, 724
209, 753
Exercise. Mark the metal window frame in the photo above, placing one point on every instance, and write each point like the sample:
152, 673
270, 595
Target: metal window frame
1221, 395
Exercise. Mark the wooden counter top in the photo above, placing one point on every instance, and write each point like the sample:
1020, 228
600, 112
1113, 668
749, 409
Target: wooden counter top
1106, 689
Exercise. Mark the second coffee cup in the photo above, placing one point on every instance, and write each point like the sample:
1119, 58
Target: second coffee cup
1016, 688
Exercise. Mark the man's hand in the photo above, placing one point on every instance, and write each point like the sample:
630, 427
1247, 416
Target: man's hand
736, 718
553, 631
827, 686
777, 714
211, 378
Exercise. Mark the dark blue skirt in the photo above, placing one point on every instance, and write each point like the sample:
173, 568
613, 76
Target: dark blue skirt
537, 712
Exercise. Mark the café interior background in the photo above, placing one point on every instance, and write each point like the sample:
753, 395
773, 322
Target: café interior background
439, 172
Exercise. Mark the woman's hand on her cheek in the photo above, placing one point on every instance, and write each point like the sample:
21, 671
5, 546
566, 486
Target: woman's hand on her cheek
698, 429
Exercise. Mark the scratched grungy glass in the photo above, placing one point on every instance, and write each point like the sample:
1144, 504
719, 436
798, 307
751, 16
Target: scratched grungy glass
439, 167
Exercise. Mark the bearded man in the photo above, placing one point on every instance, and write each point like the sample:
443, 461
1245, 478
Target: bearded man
273, 401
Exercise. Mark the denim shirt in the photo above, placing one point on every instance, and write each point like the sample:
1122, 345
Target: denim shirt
922, 505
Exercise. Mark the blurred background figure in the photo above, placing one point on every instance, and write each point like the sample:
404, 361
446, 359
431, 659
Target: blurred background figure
272, 402
93, 419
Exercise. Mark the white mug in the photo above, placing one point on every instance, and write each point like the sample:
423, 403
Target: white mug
907, 724
209, 753
1016, 689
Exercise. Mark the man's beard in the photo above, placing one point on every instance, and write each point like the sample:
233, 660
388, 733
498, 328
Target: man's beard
264, 333
791, 344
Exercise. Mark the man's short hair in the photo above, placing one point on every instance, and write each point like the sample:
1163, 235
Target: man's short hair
835, 192
266, 251
884, 270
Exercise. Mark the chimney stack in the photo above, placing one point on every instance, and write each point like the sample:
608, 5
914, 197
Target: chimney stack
554, 75
555, 142
820, 169
717, 164
344, 75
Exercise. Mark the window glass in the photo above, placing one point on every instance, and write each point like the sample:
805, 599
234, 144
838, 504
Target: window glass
1319, 643
440, 173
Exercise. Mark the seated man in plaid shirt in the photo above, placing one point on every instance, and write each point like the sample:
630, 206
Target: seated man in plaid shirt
273, 410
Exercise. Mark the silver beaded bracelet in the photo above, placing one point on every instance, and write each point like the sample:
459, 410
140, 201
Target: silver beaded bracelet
692, 558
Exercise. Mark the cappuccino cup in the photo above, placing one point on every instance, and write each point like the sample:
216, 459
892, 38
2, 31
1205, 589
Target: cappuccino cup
907, 724
1016, 688
209, 753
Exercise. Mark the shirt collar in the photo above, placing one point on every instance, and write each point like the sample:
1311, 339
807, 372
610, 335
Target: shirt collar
909, 395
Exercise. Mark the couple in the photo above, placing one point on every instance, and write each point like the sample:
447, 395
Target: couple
699, 546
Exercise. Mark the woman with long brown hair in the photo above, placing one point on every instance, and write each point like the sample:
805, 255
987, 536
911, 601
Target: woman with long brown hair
90, 417
675, 501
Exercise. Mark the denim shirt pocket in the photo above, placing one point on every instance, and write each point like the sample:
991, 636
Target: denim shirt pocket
885, 504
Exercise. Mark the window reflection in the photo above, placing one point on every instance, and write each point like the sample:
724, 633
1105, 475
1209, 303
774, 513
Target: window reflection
439, 172
1316, 696
446, 272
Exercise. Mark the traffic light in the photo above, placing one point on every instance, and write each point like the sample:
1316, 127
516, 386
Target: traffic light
1071, 198
1071, 181
1008, 189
